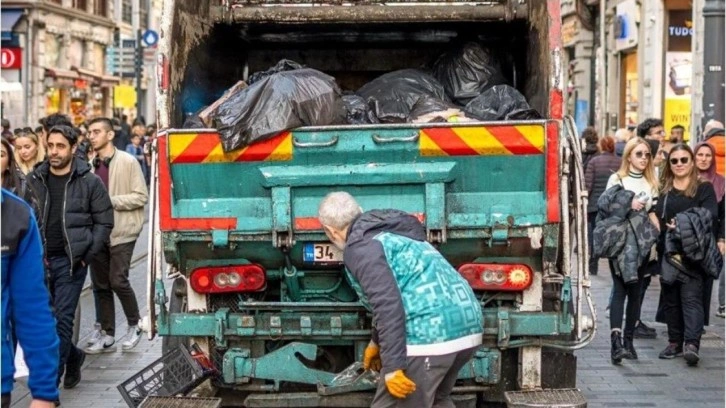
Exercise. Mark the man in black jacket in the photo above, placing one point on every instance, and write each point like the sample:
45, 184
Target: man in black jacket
77, 221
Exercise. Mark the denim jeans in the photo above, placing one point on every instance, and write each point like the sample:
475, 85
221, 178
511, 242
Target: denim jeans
65, 291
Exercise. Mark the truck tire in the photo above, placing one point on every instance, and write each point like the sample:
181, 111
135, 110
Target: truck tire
177, 304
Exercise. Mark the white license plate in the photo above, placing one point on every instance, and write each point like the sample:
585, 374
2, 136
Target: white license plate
319, 253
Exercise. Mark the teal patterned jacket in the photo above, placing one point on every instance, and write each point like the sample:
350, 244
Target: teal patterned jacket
421, 305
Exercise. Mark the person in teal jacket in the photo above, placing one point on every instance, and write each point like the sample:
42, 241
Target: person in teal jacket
427, 321
26, 305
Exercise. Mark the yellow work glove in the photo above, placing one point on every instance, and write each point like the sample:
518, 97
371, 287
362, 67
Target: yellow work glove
372, 357
399, 385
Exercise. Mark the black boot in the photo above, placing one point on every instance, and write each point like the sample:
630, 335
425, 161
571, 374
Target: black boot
617, 352
628, 345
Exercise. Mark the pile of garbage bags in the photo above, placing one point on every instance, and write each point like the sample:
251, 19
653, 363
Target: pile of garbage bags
463, 85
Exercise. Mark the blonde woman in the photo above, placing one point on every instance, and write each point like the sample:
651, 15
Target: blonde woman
636, 174
28, 150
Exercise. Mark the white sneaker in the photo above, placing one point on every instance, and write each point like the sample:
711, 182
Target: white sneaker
107, 344
96, 335
133, 335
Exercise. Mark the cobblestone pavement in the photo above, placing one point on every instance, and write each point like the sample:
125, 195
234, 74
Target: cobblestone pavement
649, 381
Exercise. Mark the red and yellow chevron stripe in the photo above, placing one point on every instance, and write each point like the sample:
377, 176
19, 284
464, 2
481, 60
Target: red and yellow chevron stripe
482, 141
207, 148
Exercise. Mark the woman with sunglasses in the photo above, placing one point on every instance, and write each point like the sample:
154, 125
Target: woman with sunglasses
636, 174
28, 150
681, 305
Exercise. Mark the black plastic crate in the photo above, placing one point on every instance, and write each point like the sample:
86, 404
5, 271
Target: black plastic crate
175, 373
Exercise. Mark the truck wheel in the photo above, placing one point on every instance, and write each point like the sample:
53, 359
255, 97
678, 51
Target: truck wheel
177, 304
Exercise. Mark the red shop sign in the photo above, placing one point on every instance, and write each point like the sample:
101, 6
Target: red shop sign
11, 58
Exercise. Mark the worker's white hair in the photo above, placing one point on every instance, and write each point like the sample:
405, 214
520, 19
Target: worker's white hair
338, 210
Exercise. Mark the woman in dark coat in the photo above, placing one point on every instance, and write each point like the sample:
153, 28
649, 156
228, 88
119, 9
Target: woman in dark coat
682, 300
599, 170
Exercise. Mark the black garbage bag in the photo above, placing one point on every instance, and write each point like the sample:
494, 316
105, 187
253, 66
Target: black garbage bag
467, 72
429, 109
281, 66
356, 110
501, 102
193, 121
391, 96
279, 102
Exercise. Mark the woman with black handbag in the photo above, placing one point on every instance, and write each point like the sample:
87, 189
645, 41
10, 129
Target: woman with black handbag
685, 207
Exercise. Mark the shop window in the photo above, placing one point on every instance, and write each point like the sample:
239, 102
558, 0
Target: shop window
100, 8
127, 11
80, 5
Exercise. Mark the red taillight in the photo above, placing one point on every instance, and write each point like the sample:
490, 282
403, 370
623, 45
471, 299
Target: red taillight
220, 279
507, 277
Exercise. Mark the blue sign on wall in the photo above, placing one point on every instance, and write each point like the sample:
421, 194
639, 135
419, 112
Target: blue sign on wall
582, 114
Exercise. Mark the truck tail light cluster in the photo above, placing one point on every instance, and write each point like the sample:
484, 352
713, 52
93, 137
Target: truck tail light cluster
221, 279
500, 277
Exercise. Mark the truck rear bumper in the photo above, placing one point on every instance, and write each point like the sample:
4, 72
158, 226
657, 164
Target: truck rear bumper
355, 400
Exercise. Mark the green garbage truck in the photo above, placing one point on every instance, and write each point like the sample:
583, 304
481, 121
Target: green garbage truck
239, 265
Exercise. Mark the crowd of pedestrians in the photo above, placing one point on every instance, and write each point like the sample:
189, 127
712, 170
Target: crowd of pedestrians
656, 208
73, 201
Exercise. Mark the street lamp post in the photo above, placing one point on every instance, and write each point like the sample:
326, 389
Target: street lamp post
713, 61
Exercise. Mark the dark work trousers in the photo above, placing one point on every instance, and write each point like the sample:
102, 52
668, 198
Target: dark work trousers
683, 310
591, 216
621, 291
65, 291
6, 401
434, 377
109, 275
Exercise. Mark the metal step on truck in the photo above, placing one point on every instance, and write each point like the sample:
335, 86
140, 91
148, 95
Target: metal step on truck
259, 290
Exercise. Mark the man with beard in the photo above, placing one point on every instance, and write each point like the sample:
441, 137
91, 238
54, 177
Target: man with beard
121, 173
77, 221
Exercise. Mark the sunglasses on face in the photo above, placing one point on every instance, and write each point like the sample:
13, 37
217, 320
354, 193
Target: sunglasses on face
639, 155
683, 160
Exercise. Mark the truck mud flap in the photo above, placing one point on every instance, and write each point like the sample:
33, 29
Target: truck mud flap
353, 400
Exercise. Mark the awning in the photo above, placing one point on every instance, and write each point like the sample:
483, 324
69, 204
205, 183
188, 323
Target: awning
108, 81
10, 17
87, 74
62, 77
61, 73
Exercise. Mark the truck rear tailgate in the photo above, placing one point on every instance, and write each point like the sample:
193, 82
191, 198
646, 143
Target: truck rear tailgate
459, 179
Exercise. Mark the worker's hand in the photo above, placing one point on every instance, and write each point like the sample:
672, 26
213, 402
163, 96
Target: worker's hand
721, 247
36, 403
372, 357
399, 385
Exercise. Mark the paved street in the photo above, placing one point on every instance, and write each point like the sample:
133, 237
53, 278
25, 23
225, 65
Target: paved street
647, 382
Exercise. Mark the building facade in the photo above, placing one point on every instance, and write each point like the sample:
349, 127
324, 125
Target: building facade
653, 62
64, 48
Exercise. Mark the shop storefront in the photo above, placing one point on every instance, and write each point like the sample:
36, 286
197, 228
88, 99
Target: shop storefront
626, 44
678, 69
80, 93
